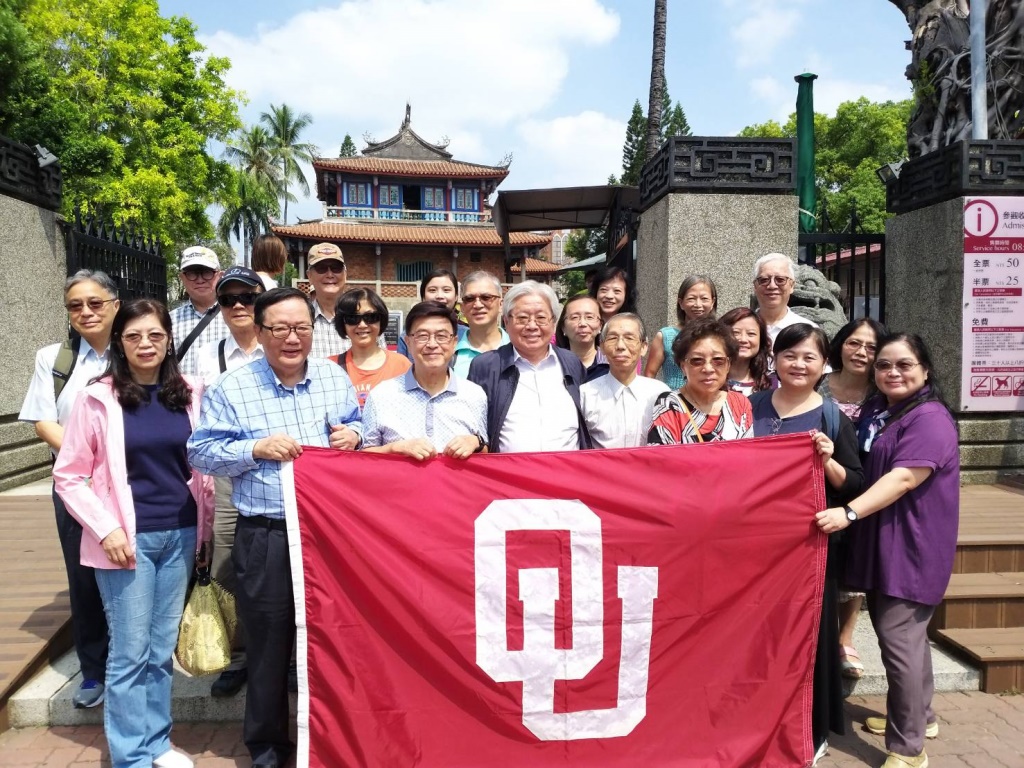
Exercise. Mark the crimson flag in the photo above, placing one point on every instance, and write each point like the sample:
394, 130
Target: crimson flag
642, 607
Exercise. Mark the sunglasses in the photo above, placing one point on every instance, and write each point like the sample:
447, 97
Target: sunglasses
228, 300
370, 318
328, 266
94, 305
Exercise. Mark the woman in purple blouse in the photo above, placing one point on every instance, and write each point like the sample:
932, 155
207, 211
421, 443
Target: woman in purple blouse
903, 533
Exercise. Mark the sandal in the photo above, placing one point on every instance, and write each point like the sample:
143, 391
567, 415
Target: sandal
853, 668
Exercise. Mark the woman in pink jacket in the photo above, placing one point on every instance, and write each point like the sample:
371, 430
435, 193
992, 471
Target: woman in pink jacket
123, 474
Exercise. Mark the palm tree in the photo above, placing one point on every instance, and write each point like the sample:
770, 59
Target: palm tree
252, 151
285, 128
654, 104
247, 210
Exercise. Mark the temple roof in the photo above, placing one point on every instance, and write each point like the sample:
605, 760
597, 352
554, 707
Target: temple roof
536, 267
382, 166
407, 144
404, 234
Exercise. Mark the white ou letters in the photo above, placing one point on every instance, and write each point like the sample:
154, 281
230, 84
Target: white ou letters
539, 664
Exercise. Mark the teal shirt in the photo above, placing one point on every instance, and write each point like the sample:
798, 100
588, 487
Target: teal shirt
464, 354
670, 372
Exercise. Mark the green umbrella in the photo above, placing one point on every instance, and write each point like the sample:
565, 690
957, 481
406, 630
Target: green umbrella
805, 187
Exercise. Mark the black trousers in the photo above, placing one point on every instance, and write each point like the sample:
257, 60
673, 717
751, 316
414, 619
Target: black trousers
264, 600
88, 620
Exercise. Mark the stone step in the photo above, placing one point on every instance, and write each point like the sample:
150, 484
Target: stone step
46, 699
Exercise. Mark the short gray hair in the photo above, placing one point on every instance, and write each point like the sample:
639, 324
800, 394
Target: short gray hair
770, 257
626, 316
531, 288
102, 279
481, 276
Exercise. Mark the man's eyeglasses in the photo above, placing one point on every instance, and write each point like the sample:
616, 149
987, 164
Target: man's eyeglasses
767, 280
328, 266
856, 345
156, 338
370, 318
487, 299
228, 300
302, 330
903, 366
95, 305
198, 273
441, 337
629, 339
587, 318
522, 321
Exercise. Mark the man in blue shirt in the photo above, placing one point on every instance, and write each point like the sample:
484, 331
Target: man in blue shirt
253, 419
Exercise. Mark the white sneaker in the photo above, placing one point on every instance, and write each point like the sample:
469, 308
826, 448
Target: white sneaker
822, 751
173, 759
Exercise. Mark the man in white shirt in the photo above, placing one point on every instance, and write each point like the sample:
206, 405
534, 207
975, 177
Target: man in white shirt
91, 301
200, 271
237, 291
774, 277
532, 387
618, 406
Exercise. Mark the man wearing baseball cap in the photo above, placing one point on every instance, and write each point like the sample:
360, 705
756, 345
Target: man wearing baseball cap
196, 322
325, 268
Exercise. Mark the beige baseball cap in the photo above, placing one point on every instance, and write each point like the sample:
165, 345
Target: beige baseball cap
324, 252
199, 256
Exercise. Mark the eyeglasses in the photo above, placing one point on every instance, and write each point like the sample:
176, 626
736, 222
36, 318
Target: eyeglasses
767, 280
424, 337
94, 305
198, 273
328, 266
370, 318
156, 338
856, 345
903, 366
629, 339
228, 300
487, 299
302, 330
522, 321
588, 317
700, 362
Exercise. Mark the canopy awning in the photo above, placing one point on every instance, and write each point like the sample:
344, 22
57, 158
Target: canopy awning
530, 210
587, 263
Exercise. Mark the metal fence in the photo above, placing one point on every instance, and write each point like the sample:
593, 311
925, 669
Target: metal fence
132, 259
852, 258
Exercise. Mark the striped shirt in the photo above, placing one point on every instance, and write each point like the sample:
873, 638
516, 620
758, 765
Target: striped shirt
250, 403
184, 318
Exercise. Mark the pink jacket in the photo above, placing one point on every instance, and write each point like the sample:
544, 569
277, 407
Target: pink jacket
91, 476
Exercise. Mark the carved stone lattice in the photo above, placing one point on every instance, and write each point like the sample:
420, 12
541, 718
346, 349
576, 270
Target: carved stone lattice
817, 298
22, 178
702, 164
940, 70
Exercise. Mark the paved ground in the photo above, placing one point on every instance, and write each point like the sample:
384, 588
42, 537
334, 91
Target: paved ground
976, 730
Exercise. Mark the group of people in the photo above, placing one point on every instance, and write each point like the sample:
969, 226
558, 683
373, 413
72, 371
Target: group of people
169, 431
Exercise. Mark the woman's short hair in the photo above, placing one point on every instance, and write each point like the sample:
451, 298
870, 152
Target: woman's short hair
447, 274
269, 254
792, 335
835, 351
561, 339
348, 304
684, 288
920, 350
102, 279
275, 296
175, 392
760, 364
703, 328
427, 309
531, 288
606, 274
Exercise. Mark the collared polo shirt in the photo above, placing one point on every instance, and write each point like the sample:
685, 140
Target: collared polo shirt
465, 353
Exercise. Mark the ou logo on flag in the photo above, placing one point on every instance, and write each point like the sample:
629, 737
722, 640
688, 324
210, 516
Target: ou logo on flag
540, 664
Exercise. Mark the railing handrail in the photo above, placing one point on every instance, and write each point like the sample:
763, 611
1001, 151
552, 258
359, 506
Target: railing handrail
428, 215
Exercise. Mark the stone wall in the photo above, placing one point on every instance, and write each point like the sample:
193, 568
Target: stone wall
719, 235
32, 274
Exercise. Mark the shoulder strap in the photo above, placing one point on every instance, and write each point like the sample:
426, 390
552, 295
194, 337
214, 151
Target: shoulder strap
200, 327
220, 355
67, 358
343, 360
830, 412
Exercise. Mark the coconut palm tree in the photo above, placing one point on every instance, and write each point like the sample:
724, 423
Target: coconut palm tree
251, 150
654, 104
247, 210
285, 129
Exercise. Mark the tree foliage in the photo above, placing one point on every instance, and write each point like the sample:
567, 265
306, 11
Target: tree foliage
849, 148
348, 147
128, 102
287, 148
248, 207
634, 149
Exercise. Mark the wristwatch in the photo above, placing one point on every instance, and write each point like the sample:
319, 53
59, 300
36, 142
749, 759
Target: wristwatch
850, 514
480, 439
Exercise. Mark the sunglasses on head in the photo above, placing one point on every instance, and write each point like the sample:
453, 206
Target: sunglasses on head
370, 318
228, 300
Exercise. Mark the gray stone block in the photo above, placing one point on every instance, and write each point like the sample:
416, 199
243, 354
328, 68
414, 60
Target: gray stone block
1005, 455
996, 429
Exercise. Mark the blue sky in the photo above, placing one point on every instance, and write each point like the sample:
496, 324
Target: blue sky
551, 81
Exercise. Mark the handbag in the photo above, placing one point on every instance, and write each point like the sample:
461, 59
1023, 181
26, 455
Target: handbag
204, 640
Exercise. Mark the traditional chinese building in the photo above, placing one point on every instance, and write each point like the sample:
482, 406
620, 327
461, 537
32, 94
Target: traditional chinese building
405, 207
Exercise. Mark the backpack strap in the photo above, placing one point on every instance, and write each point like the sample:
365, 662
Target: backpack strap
830, 415
342, 361
220, 355
67, 358
200, 327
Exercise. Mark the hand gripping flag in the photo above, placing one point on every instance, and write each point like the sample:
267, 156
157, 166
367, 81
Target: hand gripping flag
645, 607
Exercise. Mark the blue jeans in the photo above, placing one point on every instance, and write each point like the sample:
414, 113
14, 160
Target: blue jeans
144, 608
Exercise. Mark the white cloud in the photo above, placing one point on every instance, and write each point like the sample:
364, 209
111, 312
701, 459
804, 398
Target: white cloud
829, 93
571, 150
764, 26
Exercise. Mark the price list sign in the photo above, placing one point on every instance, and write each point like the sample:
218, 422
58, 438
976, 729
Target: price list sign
993, 330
